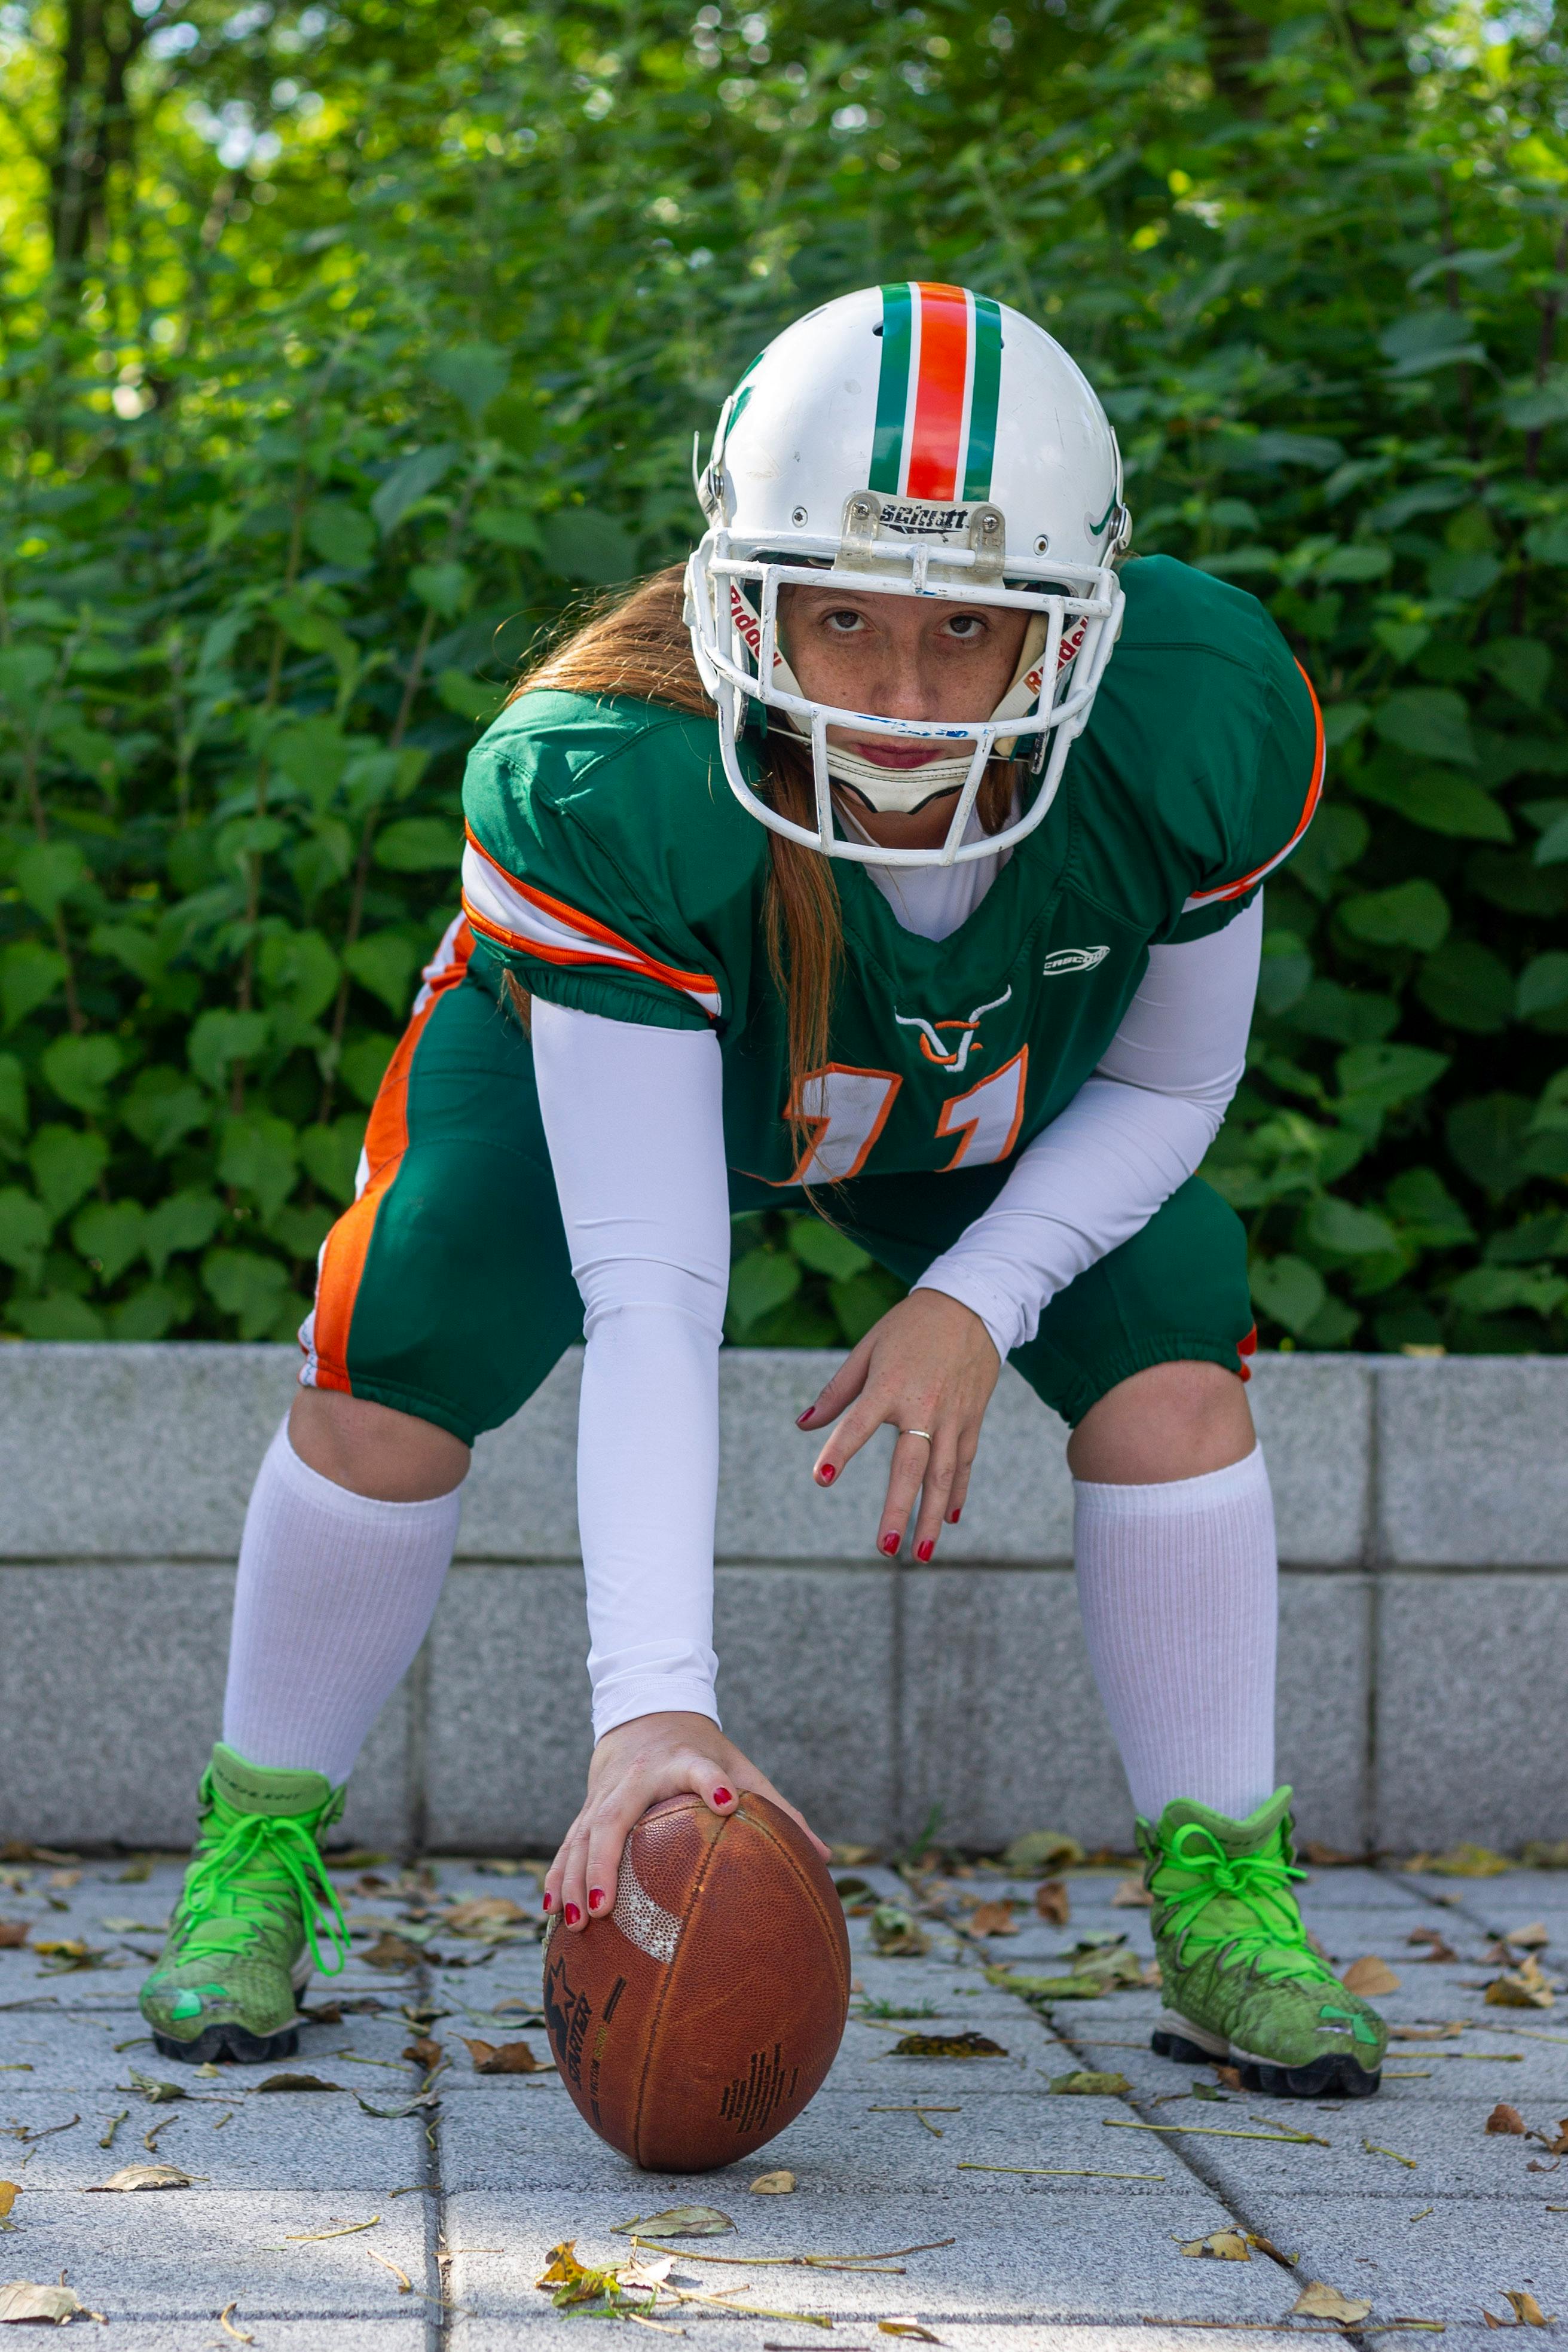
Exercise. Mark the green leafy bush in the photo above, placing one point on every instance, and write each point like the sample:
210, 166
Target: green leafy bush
339, 353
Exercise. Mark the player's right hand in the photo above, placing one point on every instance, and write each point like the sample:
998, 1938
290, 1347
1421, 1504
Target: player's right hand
633, 1766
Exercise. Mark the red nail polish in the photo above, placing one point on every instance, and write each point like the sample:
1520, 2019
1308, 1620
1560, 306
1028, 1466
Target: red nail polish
595, 1897
550, 1902
572, 1915
923, 1551
722, 1797
953, 1517
803, 1418
826, 1474
889, 1544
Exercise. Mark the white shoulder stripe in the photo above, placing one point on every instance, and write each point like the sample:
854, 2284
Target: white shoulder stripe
496, 903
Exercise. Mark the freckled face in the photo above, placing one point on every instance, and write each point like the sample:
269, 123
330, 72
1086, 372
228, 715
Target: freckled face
902, 657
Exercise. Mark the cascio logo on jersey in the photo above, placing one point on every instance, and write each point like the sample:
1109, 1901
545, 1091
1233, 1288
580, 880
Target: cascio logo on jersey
1074, 960
955, 1056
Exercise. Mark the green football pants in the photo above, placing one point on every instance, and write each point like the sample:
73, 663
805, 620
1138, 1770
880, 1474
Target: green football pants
447, 1290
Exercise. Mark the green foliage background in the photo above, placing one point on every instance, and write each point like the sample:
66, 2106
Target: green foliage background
342, 346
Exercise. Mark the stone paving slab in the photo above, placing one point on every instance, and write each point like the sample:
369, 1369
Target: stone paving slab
1011, 2334
1447, 2266
1032, 2253
283, 2143
166, 2255
501, 2137
1061, 2263
387, 2331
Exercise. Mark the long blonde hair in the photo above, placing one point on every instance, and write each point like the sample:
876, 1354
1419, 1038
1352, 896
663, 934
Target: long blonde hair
636, 643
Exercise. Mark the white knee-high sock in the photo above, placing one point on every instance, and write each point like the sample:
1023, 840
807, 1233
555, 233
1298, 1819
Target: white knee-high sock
334, 1594
1178, 1585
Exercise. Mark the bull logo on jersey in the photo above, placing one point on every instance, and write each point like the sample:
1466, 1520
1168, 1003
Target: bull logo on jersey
956, 1056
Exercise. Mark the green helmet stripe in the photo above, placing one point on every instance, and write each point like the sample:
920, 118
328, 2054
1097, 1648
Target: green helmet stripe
983, 398
891, 392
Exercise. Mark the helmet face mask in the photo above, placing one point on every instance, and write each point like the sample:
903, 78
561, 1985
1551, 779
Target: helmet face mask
928, 482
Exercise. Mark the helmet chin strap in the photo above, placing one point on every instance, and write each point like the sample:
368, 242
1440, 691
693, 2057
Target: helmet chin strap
901, 792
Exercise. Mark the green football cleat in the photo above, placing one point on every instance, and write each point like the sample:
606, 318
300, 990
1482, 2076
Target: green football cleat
1242, 1982
243, 1941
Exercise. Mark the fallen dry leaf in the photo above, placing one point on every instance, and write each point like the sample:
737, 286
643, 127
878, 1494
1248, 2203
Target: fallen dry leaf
1545, 1853
678, 2222
1085, 2083
142, 2176
503, 2058
1327, 1857
1504, 2118
1230, 2076
895, 1935
1524, 1987
423, 2051
490, 1918
402, 2107
392, 1952
1053, 1902
1463, 1860
1441, 1949
1041, 1854
947, 2045
1317, 2300
13, 1934
1106, 1957
1527, 2312
297, 2082
27, 2299
992, 1919
1532, 1938
1047, 1988
908, 2327
1369, 1975
773, 2184
1222, 2245
1132, 1895
155, 2091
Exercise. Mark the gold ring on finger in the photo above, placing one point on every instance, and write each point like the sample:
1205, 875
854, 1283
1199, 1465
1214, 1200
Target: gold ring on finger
925, 1434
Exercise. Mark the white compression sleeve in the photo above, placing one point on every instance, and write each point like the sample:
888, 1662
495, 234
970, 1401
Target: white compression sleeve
635, 1120
1134, 1132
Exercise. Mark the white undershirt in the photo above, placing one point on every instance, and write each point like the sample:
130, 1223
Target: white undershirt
635, 1120
932, 901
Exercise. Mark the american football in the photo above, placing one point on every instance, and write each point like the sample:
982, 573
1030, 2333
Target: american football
696, 2020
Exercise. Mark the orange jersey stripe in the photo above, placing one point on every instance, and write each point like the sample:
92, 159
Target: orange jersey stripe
939, 393
1239, 889
348, 1244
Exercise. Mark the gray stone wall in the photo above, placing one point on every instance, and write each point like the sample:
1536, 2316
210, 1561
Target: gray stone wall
1422, 1511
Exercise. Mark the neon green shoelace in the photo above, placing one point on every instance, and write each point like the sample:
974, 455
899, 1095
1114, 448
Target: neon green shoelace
1275, 1941
274, 1847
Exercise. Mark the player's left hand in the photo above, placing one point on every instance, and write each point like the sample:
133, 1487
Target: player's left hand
929, 1364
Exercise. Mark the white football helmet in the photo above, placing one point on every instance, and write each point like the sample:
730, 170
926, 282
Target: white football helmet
918, 440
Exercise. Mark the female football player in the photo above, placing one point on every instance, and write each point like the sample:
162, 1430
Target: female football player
902, 861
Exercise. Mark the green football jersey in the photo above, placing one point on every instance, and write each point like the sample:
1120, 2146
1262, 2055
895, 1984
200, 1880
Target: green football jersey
611, 868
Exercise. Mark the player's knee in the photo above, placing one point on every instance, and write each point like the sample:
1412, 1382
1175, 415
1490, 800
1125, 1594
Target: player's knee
1177, 1420
372, 1450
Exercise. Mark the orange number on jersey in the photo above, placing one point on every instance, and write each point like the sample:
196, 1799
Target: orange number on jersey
988, 1118
847, 1111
